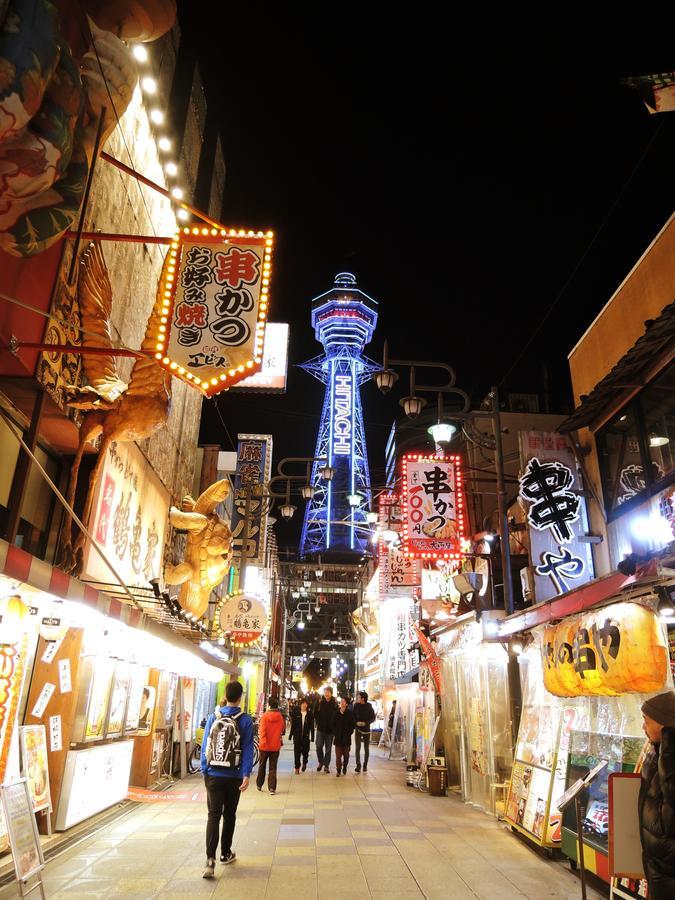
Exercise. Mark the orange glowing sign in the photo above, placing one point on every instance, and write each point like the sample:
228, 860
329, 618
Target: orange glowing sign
215, 297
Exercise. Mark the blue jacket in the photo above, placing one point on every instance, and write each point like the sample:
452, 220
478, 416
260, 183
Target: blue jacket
245, 724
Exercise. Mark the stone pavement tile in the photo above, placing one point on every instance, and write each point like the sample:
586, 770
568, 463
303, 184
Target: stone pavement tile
334, 842
395, 895
403, 829
391, 867
335, 851
284, 850
189, 886
139, 887
250, 889
376, 849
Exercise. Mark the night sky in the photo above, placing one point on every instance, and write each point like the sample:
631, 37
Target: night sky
465, 170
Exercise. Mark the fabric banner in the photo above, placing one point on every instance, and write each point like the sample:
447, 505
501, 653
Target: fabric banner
254, 469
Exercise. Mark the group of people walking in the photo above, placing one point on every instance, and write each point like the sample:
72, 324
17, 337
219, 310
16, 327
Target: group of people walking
227, 753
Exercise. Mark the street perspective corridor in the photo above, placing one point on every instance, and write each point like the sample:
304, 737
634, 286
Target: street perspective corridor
365, 835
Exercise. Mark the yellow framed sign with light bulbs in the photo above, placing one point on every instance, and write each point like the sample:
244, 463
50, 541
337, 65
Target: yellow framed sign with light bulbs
215, 296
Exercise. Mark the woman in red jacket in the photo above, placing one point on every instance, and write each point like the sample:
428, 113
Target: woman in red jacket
270, 731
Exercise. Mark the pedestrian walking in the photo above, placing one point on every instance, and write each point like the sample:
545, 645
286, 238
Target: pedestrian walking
323, 722
270, 732
302, 732
226, 763
656, 804
343, 727
364, 716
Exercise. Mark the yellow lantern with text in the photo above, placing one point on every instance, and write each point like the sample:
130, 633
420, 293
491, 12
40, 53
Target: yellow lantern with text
618, 649
13, 619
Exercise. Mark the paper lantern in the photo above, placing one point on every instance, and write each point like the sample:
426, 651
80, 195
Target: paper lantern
618, 649
13, 619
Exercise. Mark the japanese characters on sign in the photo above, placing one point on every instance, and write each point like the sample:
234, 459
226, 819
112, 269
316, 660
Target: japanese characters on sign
396, 636
130, 518
243, 616
271, 379
556, 514
215, 291
615, 650
431, 658
398, 572
254, 468
433, 507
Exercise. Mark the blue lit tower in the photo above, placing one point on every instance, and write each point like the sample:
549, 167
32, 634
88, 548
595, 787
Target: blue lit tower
343, 319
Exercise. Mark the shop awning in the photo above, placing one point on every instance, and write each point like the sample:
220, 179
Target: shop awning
409, 677
648, 355
22, 567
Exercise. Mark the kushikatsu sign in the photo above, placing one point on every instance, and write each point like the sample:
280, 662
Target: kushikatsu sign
433, 506
215, 296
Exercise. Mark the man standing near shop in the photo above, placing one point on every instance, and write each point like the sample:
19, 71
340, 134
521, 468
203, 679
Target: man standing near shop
227, 762
364, 716
656, 805
323, 722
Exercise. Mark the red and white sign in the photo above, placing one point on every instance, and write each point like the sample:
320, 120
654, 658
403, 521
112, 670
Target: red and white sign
215, 294
433, 506
398, 572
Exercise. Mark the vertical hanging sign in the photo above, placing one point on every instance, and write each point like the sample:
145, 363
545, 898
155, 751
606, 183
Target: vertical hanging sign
254, 468
433, 506
215, 295
550, 490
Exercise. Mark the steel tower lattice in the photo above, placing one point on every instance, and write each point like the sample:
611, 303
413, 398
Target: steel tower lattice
344, 319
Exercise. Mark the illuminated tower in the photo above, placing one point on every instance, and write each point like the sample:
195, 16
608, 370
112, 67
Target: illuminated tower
343, 319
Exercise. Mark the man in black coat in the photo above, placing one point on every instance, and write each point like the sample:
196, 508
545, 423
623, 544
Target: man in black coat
656, 805
302, 732
343, 727
364, 716
323, 722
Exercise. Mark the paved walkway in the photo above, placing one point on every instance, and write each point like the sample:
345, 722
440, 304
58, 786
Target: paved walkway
361, 836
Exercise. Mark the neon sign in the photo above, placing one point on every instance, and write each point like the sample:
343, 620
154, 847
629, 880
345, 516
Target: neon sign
342, 423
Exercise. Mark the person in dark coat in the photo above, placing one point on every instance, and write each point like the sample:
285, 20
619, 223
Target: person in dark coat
302, 732
656, 804
364, 716
343, 727
323, 722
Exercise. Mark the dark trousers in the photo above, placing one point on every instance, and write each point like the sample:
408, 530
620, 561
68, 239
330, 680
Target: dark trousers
301, 749
222, 798
365, 740
342, 757
324, 742
273, 757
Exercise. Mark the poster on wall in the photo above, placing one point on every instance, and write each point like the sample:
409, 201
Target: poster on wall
550, 490
137, 680
35, 768
94, 779
188, 707
254, 467
12, 668
130, 518
147, 709
433, 506
166, 699
99, 694
118, 700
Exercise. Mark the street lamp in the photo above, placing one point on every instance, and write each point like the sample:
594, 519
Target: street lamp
354, 500
287, 510
442, 432
307, 491
327, 472
385, 380
371, 516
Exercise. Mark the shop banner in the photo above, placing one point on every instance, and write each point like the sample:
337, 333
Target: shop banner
215, 292
131, 509
615, 650
271, 379
12, 668
398, 572
431, 658
254, 469
242, 616
34, 757
550, 490
433, 507
396, 635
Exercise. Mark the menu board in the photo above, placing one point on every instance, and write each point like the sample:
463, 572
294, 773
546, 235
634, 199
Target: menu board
99, 695
528, 798
94, 779
35, 768
118, 699
137, 680
23, 834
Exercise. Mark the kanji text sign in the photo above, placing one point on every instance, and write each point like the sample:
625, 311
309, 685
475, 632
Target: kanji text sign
215, 292
615, 650
433, 506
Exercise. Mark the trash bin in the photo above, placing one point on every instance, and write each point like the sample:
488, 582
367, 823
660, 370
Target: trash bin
438, 780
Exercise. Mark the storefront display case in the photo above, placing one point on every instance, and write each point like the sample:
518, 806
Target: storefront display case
91, 712
586, 749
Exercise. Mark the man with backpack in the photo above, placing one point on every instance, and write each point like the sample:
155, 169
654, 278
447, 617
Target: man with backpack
364, 716
270, 732
227, 762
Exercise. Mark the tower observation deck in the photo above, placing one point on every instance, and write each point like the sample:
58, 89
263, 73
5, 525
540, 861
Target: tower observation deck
344, 319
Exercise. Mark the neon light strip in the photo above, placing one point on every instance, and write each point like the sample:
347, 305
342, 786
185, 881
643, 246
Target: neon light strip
351, 454
330, 447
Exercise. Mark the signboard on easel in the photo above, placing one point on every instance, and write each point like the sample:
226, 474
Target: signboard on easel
23, 834
625, 848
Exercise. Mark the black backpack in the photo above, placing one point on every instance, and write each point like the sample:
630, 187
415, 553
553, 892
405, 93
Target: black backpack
223, 747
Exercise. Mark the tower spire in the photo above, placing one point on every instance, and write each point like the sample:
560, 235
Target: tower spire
344, 319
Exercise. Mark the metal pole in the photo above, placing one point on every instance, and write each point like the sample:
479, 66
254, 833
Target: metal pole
580, 837
501, 506
181, 729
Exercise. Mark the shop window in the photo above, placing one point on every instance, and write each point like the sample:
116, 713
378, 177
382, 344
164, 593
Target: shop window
658, 405
636, 448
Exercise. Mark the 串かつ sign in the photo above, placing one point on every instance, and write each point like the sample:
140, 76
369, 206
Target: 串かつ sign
433, 506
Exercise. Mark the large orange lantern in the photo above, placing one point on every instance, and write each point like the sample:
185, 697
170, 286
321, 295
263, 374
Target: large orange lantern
13, 619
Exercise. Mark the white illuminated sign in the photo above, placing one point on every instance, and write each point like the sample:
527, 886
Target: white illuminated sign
342, 422
272, 375
94, 779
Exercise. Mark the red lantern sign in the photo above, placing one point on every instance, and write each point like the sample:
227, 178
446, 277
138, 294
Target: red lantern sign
433, 506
